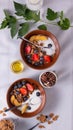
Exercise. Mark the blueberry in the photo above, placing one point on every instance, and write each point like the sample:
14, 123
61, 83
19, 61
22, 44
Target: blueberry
25, 98
19, 85
15, 86
41, 58
35, 51
28, 56
29, 61
36, 63
29, 107
41, 62
23, 82
17, 92
38, 93
49, 45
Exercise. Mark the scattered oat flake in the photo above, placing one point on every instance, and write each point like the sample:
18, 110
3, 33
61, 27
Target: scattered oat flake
5, 108
41, 126
50, 122
55, 117
42, 118
4, 114
51, 115
1, 111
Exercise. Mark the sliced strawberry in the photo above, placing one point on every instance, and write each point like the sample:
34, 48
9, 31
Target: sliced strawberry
23, 91
35, 57
47, 58
28, 49
30, 87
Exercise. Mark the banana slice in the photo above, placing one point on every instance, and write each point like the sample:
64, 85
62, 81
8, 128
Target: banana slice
24, 108
16, 103
37, 38
12, 99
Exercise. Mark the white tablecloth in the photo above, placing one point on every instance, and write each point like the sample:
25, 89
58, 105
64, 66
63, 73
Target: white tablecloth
59, 99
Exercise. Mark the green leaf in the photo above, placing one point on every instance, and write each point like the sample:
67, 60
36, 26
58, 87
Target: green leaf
20, 9
24, 29
4, 24
51, 15
12, 20
12, 24
65, 24
13, 30
32, 15
42, 27
7, 14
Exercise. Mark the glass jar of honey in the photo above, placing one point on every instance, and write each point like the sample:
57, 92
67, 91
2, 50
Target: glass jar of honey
17, 66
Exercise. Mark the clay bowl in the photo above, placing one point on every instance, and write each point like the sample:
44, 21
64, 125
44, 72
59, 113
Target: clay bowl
27, 114
44, 33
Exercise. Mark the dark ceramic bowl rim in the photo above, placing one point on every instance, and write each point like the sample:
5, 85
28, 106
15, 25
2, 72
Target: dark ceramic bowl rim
46, 33
31, 114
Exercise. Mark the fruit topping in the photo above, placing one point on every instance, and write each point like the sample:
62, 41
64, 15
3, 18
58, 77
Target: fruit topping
24, 108
28, 57
23, 82
36, 51
30, 87
25, 98
29, 107
36, 63
14, 101
38, 37
47, 58
37, 93
19, 85
23, 91
35, 57
28, 49
49, 45
15, 87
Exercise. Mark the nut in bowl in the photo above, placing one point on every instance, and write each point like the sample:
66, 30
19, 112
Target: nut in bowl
43, 53
7, 124
48, 79
28, 96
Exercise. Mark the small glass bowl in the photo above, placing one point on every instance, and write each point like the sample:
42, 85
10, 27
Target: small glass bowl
17, 66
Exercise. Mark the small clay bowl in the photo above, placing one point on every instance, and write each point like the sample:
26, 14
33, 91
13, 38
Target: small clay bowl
27, 114
47, 34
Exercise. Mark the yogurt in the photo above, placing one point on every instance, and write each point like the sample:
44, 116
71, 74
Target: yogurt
34, 102
48, 46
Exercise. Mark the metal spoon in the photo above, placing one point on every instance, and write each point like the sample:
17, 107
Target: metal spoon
34, 126
9, 109
49, 45
29, 41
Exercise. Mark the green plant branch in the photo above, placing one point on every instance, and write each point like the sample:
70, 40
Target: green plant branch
53, 23
29, 16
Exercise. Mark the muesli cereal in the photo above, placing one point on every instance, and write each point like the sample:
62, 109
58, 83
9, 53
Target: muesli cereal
6, 124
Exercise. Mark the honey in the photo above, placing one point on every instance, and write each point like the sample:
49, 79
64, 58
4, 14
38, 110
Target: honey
17, 66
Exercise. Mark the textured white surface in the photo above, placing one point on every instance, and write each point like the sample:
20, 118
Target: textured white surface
59, 99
